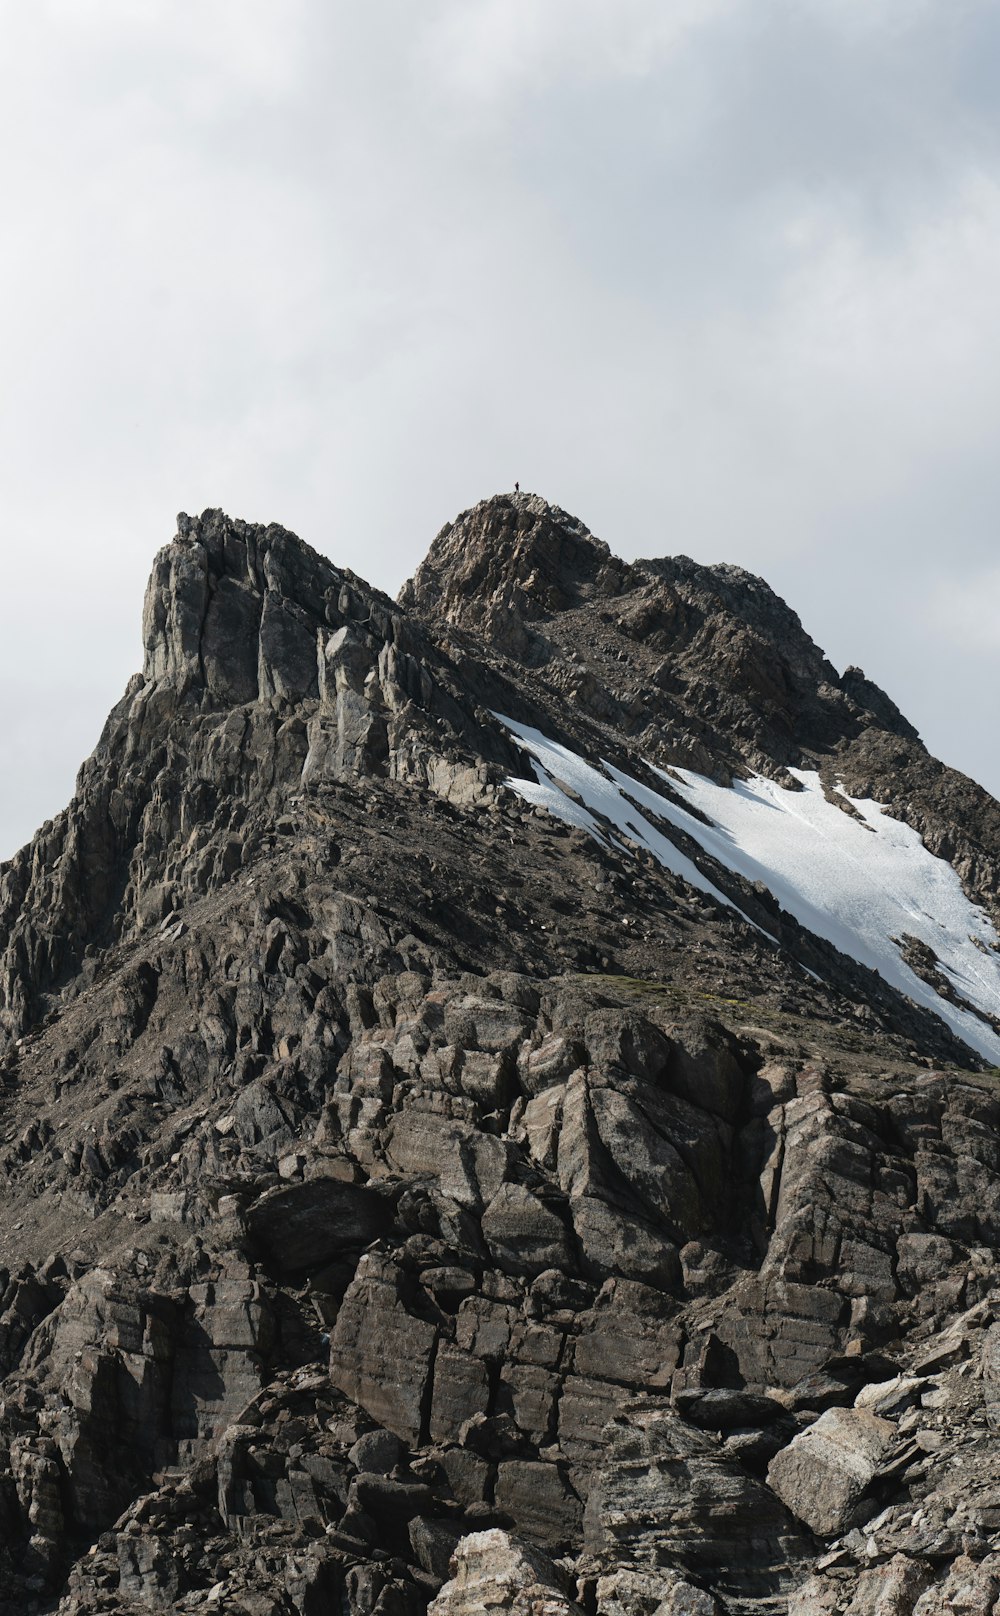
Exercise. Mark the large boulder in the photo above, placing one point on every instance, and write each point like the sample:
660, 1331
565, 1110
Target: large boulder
629, 1591
494, 1571
525, 1236
667, 1489
823, 1472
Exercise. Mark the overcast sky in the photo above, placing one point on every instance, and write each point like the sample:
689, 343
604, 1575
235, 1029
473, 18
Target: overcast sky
721, 277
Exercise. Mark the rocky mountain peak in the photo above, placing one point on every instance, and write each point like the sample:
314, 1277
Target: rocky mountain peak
450, 1160
512, 554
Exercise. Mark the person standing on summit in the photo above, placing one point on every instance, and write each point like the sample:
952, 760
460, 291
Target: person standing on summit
517, 488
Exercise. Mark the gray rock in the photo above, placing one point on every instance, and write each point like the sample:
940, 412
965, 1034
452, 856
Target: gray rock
540, 1501
823, 1472
665, 1488
494, 1571
433, 1542
469, 1166
724, 1409
378, 1452
524, 1235
307, 1226
652, 1593
461, 1391
380, 1354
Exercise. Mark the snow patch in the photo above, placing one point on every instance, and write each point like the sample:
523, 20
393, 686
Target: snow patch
603, 797
862, 884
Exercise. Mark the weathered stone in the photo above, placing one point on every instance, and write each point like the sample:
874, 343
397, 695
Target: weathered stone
652, 1593
613, 1241
381, 1354
377, 1452
433, 1542
461, 1390
585, 1407
626, 1041
723, 1409
486, 1024
529, 1392
386, 1499
822, 1473
524, 1235
540, 1501
667, 1488
470, 1477
550, 1063
704, 1070
469, 1166
493, 1571
483, 1327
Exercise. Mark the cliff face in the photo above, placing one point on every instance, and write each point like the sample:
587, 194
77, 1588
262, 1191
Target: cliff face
437, 1170
267, 671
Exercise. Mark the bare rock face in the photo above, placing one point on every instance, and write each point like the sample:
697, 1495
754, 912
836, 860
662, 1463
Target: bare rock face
413, 1202
665, 1487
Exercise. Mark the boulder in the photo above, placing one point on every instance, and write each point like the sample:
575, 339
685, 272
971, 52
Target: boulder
495, 1571
380, 1353
724, 1408
377, 1452
667, 1489
823, 1472
461, 1391
469, 1165
540, 1501
633, 1592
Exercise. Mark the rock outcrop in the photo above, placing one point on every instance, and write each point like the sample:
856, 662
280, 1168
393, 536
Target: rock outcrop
414, 1202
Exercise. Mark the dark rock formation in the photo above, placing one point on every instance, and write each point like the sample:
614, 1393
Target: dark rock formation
412, 1202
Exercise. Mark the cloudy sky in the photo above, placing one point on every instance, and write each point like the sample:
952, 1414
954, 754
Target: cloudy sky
722, 277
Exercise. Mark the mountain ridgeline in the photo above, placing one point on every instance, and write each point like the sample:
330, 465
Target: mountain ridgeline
499, 1108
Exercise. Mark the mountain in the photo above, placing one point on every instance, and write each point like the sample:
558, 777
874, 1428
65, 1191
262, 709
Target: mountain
500, 1108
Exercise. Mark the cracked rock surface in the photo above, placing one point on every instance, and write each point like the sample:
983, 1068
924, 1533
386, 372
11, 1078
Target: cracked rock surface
412, 1204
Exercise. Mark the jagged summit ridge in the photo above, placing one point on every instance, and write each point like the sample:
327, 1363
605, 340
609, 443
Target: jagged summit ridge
432, 1181
521, 556
327, 680
700, 666
537, 583
266, 669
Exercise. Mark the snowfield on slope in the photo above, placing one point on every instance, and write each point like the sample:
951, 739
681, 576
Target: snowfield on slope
863, 883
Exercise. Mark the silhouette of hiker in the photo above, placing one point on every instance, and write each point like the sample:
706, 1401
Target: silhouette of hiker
517, 488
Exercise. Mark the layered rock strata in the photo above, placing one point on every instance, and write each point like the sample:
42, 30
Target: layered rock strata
413, 1202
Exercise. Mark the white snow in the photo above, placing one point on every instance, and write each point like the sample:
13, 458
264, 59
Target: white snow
860, 884
554, 763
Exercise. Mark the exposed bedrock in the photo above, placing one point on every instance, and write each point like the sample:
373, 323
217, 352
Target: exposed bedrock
413, 1202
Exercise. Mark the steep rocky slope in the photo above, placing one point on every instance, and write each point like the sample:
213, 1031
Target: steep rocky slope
415, 1200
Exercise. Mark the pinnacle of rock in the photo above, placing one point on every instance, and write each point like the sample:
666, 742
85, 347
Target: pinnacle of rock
516, 553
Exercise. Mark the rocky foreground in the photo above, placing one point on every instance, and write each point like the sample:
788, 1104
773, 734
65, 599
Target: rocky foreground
412, 1203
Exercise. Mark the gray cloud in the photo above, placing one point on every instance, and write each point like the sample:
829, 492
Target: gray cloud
717, 275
